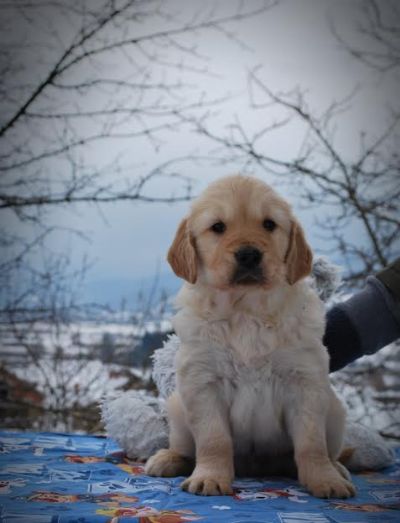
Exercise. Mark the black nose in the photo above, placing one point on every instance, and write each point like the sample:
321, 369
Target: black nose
248, 257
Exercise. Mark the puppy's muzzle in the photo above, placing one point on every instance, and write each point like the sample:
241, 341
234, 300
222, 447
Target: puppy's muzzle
248, 266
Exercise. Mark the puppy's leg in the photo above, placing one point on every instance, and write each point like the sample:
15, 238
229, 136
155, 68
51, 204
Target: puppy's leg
208, 422
213, 474
178, 460
335, 425
307, 423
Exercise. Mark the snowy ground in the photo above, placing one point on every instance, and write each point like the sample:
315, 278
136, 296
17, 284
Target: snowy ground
65, 364
371, 390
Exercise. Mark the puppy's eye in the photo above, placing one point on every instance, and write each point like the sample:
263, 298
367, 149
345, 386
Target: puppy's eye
269, 225
218, 227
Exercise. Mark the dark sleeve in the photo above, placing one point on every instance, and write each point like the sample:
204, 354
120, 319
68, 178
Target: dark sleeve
341, 339
363, 324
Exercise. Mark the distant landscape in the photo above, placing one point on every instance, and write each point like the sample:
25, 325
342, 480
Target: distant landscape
53, 375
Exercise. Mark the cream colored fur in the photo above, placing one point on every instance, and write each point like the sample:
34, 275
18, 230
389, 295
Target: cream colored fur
252, 373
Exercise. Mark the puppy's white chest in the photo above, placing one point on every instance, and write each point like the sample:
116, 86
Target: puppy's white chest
248, 340
251, 387
239, 355
256, 412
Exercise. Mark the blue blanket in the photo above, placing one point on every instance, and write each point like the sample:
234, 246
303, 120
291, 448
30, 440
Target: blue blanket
60, 478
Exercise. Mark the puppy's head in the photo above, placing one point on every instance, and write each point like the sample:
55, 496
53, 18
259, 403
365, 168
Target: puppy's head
240, 233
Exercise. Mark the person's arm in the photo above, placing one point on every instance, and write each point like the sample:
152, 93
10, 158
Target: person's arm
367, 321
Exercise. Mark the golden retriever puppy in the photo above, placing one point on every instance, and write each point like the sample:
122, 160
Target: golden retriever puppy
253, 393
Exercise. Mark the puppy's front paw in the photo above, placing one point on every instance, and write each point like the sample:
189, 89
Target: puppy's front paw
327, 482
337, 487
342, 470
208, 483
167, 463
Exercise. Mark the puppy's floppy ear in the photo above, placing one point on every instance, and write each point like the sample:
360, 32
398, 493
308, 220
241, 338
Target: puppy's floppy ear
182, 254
298, 256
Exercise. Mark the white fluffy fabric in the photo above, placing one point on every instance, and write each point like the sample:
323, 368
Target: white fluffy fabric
163, 367
325, 277
370, 450
138, 422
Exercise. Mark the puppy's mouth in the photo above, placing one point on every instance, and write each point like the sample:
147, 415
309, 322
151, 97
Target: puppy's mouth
244, 276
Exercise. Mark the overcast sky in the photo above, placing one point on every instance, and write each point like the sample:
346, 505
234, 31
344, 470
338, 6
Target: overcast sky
293, 45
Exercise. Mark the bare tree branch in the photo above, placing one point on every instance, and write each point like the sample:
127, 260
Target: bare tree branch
365, 189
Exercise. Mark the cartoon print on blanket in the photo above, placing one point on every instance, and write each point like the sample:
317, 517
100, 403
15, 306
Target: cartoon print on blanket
59, 478
292, 494
118, 458
151, 515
